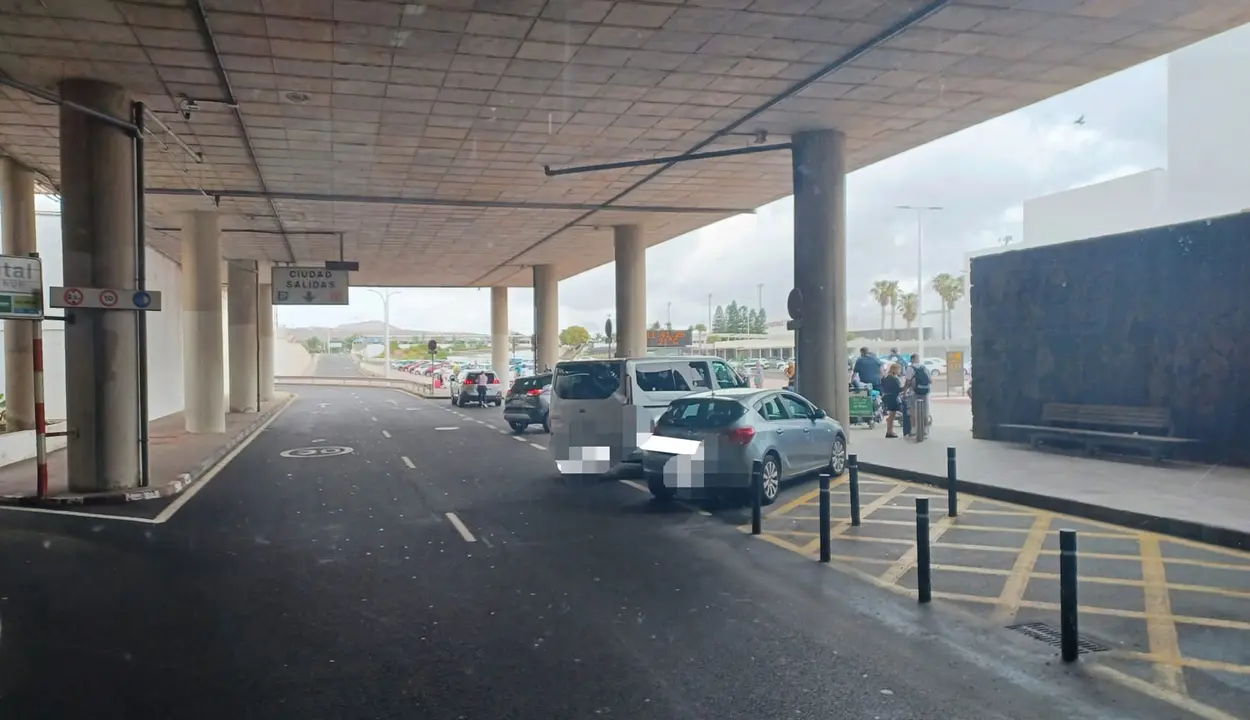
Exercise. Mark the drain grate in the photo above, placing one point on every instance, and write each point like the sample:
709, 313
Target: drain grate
1051, 636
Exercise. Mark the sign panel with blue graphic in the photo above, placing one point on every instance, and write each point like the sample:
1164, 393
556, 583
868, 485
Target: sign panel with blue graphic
72, 298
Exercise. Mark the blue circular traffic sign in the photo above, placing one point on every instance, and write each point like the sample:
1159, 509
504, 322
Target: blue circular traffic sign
142, 299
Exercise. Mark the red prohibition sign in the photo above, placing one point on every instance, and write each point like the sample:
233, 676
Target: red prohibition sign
108, 298
73, 296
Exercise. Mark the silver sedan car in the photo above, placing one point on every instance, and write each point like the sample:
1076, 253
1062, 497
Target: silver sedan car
704, 444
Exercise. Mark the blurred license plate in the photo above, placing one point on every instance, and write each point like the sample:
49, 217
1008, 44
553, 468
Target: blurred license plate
671, 446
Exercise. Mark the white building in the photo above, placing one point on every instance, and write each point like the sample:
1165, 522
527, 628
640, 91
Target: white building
1208, 162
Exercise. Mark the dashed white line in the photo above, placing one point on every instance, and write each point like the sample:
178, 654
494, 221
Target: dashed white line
518, 438
540, 447
373, 419
460, 527
408, 462
385, 434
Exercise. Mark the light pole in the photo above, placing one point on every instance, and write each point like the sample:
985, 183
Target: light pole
707, 334
386, 324
920, 211
668, 315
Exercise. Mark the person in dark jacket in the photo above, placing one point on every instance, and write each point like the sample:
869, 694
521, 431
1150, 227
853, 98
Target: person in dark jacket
868, 368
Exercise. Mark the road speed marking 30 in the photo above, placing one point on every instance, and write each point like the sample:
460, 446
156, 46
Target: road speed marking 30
322, 451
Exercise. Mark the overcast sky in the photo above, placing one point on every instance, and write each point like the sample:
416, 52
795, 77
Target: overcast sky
980, 176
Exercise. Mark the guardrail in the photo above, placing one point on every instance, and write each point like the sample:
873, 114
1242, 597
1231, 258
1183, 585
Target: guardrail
422, 386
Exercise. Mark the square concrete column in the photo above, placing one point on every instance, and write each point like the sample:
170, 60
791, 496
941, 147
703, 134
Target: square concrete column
98, 247
499, 350
820, 269
203, 351
264, 321
17, 237
631, 291
243, 345
546, 317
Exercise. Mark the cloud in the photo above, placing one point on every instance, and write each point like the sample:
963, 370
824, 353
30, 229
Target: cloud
980, 176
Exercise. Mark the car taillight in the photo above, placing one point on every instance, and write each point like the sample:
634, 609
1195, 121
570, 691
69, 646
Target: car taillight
535, 391
742, 435
495, 381
468, 381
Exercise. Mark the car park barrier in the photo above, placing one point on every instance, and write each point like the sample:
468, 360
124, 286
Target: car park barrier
924, 580
952, 490
852, 469
757, 495
825, 539
1068, 622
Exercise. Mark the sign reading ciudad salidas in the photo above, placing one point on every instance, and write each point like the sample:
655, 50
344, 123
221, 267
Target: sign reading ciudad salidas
309, 286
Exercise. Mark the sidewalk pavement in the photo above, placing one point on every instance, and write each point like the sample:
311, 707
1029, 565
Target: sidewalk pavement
1208, 503
176, 459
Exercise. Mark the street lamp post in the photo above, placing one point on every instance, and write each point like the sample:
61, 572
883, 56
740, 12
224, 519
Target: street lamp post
386, 325
920, 211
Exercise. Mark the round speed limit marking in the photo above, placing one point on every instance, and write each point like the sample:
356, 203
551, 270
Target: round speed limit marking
323, 451
108, 298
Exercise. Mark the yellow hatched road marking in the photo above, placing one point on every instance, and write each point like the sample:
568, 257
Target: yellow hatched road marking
1018, 579
1160, 628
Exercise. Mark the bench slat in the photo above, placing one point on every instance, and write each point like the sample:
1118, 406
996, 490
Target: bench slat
1110, 415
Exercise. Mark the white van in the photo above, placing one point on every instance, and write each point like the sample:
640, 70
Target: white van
602, 410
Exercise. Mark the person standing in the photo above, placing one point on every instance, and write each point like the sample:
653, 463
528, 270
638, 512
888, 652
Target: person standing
891, 389
868, 368
921, 384
791, 379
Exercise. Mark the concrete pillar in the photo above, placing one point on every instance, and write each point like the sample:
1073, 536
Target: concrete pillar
631, 291
499, 349
17, 237
98, 249
546, 317
820, 269
242, 343
202, 351
264, 321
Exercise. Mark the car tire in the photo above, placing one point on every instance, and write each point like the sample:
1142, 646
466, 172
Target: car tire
517, 427
837, 456
771, 487
497, 403
659, 490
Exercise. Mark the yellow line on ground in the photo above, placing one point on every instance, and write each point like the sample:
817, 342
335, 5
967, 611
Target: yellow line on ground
800, 500
1095, 610
1160, 628
840, 529
1018, 579
1201, 710
1184, 662
905, 563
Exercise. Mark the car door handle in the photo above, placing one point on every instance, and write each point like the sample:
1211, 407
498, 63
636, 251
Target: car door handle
807, 430
780, 431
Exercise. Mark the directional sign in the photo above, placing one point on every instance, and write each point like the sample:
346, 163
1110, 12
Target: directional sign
21, 287
104, 298
309, 286
668, 338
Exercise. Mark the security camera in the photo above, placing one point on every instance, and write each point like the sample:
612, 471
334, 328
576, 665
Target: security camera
186, 106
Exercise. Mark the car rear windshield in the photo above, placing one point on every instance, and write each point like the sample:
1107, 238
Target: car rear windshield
534, 382
477, 376
588, 380
702, 413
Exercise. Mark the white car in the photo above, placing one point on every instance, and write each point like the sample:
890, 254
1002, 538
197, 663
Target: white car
936, 366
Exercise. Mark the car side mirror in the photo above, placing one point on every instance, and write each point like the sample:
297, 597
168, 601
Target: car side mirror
818, 414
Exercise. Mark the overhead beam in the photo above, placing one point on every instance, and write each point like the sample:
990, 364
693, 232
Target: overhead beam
749, 150
444, 202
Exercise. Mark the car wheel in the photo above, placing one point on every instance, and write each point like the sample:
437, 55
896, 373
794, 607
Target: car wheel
658, 489
837, 458
498, 403
772, 479
517, 427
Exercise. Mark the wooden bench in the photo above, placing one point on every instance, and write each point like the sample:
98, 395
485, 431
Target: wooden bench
1100, 426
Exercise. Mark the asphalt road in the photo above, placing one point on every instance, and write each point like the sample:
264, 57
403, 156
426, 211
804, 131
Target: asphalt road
339, 587
336, 365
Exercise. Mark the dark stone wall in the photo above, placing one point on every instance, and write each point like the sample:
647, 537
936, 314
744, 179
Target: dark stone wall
1153, 317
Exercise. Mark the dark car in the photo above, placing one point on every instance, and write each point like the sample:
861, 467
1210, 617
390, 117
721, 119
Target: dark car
529, 403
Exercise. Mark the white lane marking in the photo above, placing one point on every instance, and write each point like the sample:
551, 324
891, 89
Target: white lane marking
460, 527
373, 419
385, 434
643, 488
95, 516
447, 428
189, 493
540, 447
518, 438
407, 462
503, 432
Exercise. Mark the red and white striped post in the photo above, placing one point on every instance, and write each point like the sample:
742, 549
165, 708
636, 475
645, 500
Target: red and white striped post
41, 417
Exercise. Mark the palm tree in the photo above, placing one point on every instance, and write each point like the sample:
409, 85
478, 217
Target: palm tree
955, 292
884, 292
908, 304
941, 285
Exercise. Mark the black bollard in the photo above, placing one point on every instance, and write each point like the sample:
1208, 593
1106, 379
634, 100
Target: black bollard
757, 495
952, 488
1068, 624
826, 542
852, 467
924, 582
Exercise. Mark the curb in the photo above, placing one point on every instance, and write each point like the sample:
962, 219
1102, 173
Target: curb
1184, 529
183, 481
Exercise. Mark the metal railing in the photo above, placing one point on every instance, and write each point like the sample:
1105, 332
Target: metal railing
413, 385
